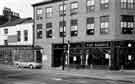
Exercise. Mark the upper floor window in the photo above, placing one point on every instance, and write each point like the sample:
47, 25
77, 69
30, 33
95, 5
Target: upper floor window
129, 4
62, 10
49, 30
127, 24
18, 35
104, 24
90, 26
104, 4
90, 5
39, 31
39, 14
74, 27
62, 26
74, 8
25, 35
49, 12
5, 42
5, 31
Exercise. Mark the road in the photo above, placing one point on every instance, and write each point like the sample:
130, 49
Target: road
36, 76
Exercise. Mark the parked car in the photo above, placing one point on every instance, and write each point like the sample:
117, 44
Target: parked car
31, 65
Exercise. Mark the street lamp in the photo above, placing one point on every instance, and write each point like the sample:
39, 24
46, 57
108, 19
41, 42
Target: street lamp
63, 58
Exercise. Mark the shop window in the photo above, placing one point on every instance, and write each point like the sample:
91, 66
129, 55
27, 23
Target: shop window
74, 28
104, 24
90, 26
62, 32
127, 24
49, 30
90, 5
104, 4
39, 31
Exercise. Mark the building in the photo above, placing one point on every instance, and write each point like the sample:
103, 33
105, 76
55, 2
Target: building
97, 33
16, 39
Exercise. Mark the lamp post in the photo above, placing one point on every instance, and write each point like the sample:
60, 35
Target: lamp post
63, 58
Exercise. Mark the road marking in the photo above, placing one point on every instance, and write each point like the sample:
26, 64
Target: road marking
57, 79
29, 82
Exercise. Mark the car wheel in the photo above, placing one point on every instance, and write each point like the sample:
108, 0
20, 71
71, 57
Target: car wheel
31, 66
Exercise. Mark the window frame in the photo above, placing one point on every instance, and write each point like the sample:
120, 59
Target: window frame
104, 24
74, 27
49, 30
39, 14
104, 4
90, 26
49, 13
39, 31
74, 10
90, 7
25, 35
61, 24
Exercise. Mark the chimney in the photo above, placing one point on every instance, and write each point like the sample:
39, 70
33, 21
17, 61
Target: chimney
10, 15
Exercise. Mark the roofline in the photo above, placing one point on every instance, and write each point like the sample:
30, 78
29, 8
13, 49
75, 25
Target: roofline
24, 21
46, 2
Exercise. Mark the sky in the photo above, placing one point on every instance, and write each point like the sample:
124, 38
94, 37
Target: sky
23, 7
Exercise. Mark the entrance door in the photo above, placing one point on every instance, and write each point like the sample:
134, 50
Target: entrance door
38, 56
57, 57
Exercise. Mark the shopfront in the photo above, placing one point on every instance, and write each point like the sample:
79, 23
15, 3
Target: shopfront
96, 55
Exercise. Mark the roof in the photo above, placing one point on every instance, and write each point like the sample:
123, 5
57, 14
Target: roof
46, 2
17, 21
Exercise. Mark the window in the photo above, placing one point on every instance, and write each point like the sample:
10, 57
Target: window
90, 26
6, 42
6, 31
39, 14
74, 28
18, 35
49, 12
62, 10
39, 31
90, 5
49, 30
74, 8
127, 24
25, 35
61, 25
104, 24
128, 4
104, 4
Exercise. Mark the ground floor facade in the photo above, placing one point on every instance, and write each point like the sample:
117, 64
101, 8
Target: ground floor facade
113, 55
9, 54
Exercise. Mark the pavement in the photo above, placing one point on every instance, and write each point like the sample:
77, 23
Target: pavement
122, 75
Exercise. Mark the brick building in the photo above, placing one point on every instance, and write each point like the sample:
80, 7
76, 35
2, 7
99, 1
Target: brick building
96, 32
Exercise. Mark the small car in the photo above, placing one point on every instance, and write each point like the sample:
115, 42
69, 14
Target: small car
31, 65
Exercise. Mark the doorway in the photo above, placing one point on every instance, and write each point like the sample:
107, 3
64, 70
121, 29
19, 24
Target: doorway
57, 57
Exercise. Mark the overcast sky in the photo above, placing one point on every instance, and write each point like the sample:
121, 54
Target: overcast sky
21, 6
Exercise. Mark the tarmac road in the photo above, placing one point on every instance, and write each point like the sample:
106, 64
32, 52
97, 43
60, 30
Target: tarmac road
35, 76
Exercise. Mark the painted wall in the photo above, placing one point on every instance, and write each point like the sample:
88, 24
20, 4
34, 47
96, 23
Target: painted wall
12, 33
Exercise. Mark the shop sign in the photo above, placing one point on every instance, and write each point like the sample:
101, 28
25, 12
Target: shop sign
102, 44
